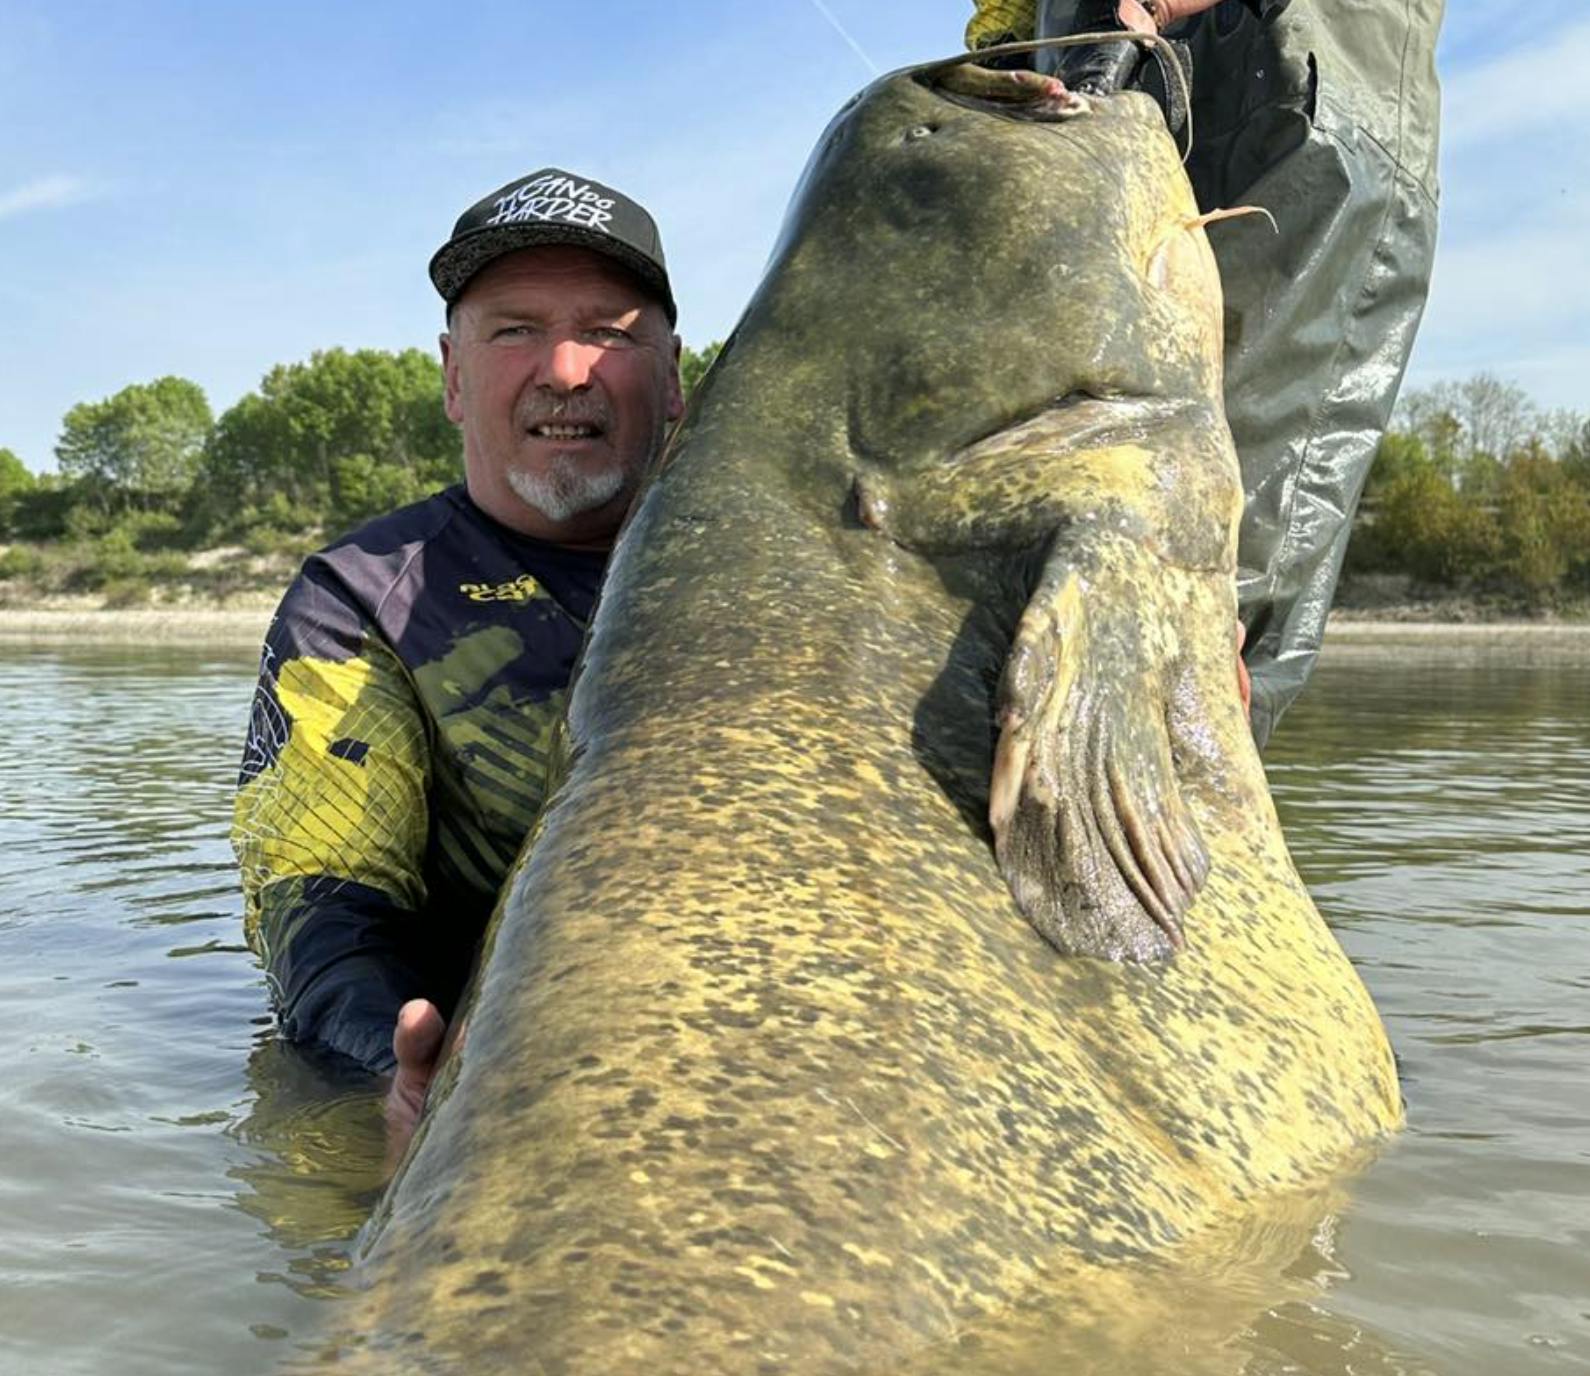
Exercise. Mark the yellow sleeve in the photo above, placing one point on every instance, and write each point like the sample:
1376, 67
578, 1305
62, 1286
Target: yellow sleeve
334, 782
1000, 21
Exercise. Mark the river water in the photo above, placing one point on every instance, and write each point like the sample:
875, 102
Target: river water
178, 1191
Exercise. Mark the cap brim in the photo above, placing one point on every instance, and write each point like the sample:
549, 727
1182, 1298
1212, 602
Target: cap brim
458, 260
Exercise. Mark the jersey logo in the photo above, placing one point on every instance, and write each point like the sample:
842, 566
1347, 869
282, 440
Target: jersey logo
524, 588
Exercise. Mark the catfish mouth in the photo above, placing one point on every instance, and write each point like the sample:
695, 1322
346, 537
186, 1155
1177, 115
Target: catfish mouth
999, 80
982, 82
1017, 95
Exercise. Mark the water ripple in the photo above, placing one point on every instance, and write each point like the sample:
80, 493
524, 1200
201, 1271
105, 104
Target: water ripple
179, 1189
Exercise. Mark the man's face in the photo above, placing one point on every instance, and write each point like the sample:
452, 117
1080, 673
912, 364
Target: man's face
563, 375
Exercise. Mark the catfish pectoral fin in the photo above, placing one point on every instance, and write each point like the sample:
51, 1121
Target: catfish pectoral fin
1090, 826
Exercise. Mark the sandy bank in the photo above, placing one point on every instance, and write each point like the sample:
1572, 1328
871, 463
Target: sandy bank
1519, 642
244, 626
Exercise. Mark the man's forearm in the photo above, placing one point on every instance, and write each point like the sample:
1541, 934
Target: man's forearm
340, 968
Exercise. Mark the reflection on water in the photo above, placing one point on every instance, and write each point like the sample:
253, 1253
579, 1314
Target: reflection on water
130, 1009
180, 1191
321, 1168
1441, 814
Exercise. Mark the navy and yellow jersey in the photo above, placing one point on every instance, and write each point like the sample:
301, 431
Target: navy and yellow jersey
396, 756
1001, 21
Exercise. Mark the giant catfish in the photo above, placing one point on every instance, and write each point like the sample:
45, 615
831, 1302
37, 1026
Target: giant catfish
910, 936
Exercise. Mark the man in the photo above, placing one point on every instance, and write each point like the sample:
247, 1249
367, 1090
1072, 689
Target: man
1324, 114
415, 669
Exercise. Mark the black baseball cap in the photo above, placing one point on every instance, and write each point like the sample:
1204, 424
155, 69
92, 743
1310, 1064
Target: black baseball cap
553, 207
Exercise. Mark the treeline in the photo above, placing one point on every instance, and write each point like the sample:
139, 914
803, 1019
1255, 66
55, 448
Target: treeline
1477, 490
1474, 488
321, 444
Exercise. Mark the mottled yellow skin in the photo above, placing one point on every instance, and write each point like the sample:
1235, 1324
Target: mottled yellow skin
765, 1069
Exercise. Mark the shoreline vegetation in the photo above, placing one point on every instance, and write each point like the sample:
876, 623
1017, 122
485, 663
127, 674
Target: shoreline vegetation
166, 522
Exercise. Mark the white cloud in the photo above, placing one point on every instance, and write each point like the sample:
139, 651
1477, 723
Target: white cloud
1515, 171
1551, 376
1500, 99
1522, 278
1508, 301
44, 193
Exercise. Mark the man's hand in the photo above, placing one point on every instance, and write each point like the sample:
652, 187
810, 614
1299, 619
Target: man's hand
1151, 16
1137, 17
417, 1044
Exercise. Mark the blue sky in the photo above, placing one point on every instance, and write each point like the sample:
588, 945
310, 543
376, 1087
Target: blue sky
209, 189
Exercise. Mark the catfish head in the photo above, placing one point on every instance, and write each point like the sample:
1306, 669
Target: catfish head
953, 264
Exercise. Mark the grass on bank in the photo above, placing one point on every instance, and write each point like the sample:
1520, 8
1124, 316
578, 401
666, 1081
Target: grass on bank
140, 565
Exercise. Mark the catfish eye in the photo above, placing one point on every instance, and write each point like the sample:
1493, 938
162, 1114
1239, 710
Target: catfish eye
920, 131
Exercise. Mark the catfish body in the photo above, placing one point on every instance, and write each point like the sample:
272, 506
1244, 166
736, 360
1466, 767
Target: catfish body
780, 1056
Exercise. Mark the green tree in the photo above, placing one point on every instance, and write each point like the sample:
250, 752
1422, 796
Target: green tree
1562, 430
1460, 421
1426, 528
1544, 523
140, 447
16, 481
338, 438
1481, 477
1575, 456
1498, 417
42, 511
693, 364
1399, 455
1429, 414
